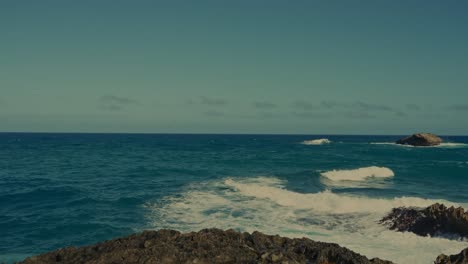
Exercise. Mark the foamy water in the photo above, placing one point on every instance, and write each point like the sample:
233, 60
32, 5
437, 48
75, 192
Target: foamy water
320, 141
359, 174
264, 204
441, 145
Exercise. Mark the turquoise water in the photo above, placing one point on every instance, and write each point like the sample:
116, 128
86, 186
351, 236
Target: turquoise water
59, 190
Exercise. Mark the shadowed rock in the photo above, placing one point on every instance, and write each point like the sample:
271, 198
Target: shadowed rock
420, 139
434, 220
205, 246
460, 258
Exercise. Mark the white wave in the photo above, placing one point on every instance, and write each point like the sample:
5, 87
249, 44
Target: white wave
326, 201
319, 141
360, 174
264, 204
452, 145
441, 145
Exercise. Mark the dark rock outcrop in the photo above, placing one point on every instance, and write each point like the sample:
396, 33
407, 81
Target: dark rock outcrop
420, 139
434, 220
205, 246
460, 258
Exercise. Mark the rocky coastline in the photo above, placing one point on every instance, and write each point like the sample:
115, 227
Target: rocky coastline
205, 246
435, 220
229, 246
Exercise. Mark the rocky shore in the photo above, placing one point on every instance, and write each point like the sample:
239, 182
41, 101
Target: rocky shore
205, 246
218, 246
460, 258
435, 220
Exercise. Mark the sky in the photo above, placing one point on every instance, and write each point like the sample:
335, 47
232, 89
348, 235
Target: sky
244, 66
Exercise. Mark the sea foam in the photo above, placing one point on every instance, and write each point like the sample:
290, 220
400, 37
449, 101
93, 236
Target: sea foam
360, 174
264, 204
319, 141
441, 145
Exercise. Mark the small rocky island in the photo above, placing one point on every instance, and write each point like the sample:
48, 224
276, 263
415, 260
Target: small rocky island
205, 246
434, 220
421, 140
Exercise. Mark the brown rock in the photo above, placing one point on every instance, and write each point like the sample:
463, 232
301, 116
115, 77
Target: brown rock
434, 220
421, 139
460, 258
205, 246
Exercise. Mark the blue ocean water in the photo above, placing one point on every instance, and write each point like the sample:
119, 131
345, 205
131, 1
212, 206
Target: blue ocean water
59, 190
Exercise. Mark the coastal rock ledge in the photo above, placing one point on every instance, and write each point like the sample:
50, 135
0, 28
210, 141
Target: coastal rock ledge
435, 220
421, 140
460, 258
205, 246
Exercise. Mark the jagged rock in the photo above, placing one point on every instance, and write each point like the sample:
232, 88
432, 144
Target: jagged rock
420, 139
460, 258
205, 246
434, 220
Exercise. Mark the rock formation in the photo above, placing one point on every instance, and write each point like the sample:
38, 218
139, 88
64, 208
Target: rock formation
205, 246
460, 258
434, 220
420, 139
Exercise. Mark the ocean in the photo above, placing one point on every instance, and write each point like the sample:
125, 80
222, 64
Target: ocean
60, 190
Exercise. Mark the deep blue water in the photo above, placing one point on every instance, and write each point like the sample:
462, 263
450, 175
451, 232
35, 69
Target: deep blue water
59, 190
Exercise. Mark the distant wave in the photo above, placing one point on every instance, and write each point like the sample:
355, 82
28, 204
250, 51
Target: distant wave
360, 174
264, 204
442, 145
319, 141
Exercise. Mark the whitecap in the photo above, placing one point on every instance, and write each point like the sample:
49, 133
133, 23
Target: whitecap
319, 141
360, 174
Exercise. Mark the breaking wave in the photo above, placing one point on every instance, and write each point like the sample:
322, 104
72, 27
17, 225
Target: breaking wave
320, 141
360, 174
264, 204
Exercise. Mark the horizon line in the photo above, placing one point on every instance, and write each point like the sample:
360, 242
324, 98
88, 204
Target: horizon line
208, 133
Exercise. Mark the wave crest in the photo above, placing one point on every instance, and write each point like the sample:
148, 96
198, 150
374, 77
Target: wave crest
319, 141
360, 174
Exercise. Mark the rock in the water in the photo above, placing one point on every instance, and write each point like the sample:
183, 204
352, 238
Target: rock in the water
434, 220
420, 139
460, 258
205, 246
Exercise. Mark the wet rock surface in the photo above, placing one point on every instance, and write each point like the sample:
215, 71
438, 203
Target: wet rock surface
420, 139
435, 220
205, 246
460, 258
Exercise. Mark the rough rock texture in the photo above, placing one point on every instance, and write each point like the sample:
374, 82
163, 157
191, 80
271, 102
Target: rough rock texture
434, 220
205, 246
421, 139
461, 258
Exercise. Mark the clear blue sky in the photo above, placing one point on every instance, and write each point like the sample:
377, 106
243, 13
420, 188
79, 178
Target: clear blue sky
244, 66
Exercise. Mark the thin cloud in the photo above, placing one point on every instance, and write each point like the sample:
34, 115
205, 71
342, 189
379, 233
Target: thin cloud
413, 107
373, 107
311, 115
264, 105
459, 107
331, 104
213, 113
400, 114
356, 106
304, 105
212, 101
359, 115
115, 103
